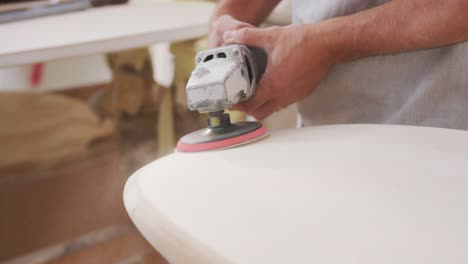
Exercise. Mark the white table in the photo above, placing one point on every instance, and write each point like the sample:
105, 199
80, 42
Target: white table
100, 30
335, 194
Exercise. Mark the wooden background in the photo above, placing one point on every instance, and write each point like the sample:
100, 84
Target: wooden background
65, 157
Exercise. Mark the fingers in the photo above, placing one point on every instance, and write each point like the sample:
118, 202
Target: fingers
226, 23
248, 36
252, 104
260, 97
262, 104
221, 25
263, 111
213, 40
266, 110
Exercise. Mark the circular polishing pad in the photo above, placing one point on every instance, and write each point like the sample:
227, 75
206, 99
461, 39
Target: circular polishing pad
210, 139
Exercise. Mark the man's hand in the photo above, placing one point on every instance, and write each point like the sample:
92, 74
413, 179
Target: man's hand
220, 26
299, 57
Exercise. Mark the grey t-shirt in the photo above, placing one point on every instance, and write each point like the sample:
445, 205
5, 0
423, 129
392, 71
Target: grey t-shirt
427, 88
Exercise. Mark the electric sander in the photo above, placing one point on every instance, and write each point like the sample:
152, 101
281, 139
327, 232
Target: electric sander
222, 78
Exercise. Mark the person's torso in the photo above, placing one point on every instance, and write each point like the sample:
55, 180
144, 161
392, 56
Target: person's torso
428, 88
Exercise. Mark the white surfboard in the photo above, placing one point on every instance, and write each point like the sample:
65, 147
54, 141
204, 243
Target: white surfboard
362, 194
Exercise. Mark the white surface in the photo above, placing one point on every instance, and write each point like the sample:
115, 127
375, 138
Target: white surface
336, 194
284, 119
58, 74
100, 30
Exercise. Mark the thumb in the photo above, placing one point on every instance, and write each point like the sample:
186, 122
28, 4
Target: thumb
246, 36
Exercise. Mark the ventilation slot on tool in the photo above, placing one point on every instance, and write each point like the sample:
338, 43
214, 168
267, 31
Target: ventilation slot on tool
208, 58
221, 55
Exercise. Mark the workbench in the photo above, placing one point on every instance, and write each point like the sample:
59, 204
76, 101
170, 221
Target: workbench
101, 30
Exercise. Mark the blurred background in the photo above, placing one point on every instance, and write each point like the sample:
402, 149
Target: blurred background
73, 130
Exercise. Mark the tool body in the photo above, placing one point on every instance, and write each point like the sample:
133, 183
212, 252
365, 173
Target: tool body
222, 78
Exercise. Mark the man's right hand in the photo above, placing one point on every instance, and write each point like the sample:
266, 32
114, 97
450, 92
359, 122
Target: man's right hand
221, 25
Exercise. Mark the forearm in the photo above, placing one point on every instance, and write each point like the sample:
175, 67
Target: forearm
398, 26
250, 11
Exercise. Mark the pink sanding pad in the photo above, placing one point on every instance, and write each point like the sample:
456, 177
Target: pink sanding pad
223, 144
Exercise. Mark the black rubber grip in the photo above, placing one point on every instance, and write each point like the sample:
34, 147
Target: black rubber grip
261, 59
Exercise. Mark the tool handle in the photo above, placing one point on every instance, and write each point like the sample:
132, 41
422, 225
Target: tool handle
261, 59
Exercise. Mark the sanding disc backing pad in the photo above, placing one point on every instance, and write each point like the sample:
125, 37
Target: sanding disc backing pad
215, 139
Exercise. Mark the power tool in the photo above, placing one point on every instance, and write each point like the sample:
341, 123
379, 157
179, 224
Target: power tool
223, 77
